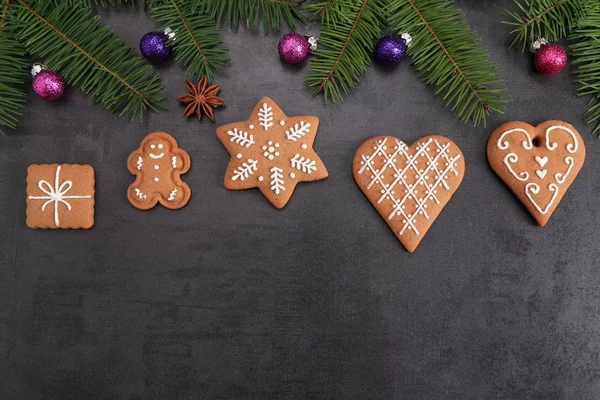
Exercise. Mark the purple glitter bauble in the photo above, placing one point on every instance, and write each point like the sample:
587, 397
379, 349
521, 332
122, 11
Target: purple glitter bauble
390, 49
293, 47
154, 47
49, 85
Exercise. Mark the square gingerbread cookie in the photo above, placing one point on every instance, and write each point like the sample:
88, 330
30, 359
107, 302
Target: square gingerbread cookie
60, 196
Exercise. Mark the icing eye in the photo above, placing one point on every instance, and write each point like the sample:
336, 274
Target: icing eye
160, 146
152, 146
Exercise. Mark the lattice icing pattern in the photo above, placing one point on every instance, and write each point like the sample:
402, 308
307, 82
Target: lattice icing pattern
409, 184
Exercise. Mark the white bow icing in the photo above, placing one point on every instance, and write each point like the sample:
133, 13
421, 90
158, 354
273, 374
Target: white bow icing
56, 194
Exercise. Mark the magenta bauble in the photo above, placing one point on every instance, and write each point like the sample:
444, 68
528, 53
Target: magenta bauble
294, 47
49, 85
550, 58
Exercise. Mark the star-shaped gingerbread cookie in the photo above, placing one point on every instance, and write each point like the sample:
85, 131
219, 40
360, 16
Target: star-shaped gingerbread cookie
272, 152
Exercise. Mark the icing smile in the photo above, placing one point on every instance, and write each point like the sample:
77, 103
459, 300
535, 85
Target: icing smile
156, 156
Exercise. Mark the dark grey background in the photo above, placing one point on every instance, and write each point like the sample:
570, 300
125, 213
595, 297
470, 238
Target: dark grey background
229, 298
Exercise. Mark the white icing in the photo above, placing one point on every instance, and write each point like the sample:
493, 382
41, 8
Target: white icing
535, 189
541, 161
152, 146
250, 126
160, 146
304, 146
172, 195
140, 161
245, 170
282, 122
560, 178
276, 180
513, 158
239, 155
156, 179
527, 143
571, 147
57, 194
408, 191
303, 164
240, 137
156, 156
532, 188
174, 161
297, 131
265, 116
292, 175
156, 167
260, 178
139, 194
270, 152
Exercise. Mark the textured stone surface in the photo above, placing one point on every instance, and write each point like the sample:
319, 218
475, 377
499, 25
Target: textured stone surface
231, 298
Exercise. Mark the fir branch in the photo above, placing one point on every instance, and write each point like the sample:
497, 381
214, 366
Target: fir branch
4, 12
450, 57
320, 9
549, 19
272, 13
585, 50
88, 55
198, 43
13, 65
105, 3
349, 29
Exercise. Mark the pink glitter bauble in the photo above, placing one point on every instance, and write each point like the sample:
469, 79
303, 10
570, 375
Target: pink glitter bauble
293, 47
49, 85
550, 59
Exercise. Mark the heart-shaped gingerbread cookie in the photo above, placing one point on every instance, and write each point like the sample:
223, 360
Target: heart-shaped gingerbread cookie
409, 186
537, 163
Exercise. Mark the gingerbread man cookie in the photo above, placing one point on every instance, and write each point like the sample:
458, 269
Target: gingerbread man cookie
158, 164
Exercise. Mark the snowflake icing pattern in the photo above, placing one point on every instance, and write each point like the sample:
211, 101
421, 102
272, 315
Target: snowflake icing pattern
271, 151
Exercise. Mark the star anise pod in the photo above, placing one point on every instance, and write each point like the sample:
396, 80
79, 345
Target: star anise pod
201, 99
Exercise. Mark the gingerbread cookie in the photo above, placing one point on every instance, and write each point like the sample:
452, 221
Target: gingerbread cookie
409, 186
537, 163
271, 151
60, 196
158, 164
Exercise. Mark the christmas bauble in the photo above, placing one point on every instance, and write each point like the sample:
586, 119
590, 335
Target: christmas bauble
155, 46
47, 84
294, 47
390, 49
550, 58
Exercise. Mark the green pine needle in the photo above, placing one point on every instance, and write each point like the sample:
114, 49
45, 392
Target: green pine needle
88, 55
272, 13
198, 43
13, 65
585, 53
548, 19
105, 3
450, 58
349, 29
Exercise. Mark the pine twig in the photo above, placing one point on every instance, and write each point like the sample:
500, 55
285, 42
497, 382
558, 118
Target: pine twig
13, 65
198, 43
450, 57
349, 29
272, 13
88, 55
549, 19
585, 51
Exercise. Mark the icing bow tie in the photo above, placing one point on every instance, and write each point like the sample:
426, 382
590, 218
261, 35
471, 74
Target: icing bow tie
56, 194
